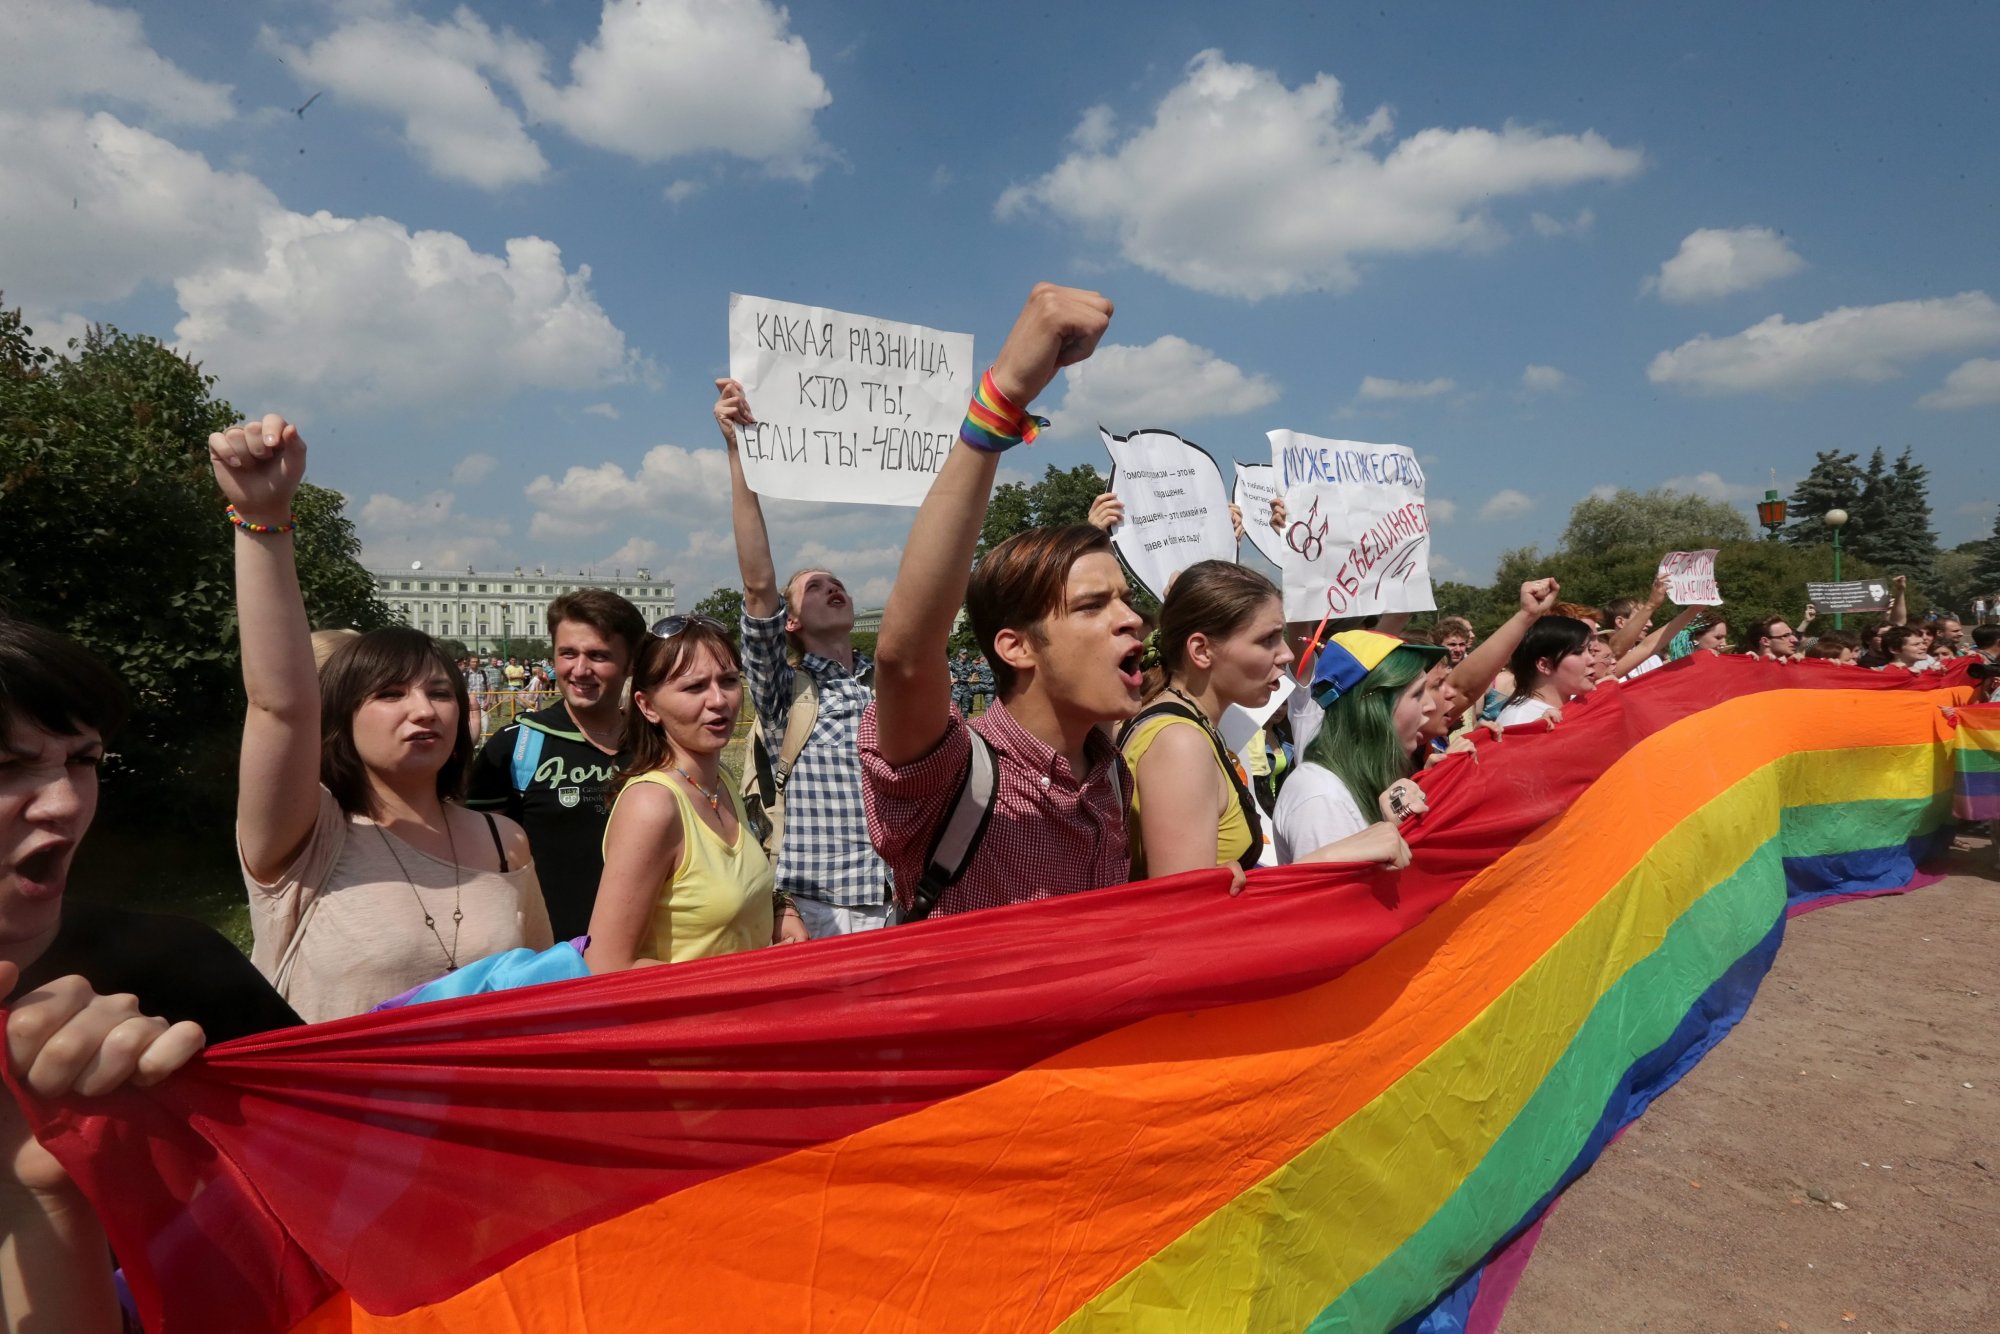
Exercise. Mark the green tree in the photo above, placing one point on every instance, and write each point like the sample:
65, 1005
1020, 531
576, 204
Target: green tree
1893, 522
1986, 571
1955, 577
1059, 498
1659, 519
114, 536
725, 605
1833, 484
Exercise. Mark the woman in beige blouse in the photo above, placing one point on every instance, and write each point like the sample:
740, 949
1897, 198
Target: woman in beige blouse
366, 876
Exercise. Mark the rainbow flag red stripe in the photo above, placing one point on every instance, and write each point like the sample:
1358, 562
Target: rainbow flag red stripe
1341, 1100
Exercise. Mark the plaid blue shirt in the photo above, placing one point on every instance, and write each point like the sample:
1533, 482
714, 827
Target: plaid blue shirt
825, 854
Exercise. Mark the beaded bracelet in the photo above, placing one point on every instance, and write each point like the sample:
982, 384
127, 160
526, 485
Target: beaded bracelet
261, 529
993, 424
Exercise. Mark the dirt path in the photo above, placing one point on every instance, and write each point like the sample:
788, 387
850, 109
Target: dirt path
1867, 1073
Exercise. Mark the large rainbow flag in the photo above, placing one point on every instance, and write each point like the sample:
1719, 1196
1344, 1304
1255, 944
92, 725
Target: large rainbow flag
1340, 1101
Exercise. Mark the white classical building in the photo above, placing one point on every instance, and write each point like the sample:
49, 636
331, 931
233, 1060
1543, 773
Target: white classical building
486, 612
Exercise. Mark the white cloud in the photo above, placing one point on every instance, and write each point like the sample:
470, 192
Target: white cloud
669, 481
1506, 503
1861, 343
473, 468
1440, 509
1976, 384
604, 410
679, 192
661, 79
637, 553
370, 311
434, 78
430, 529
1715, 262
1543, 380
1377, 389
68, 51
1164, 383
1548, 225
91, 208
1605, 491
1243, 187
666, 78
1713, 486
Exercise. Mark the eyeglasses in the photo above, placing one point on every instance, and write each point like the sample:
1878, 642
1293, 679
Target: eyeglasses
673, 625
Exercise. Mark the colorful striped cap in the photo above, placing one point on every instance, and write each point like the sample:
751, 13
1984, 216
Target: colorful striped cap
1350, 655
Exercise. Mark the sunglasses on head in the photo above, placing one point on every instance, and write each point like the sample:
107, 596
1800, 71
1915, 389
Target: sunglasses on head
673, 625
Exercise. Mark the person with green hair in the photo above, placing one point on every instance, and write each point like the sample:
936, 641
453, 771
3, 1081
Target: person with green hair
1356, 728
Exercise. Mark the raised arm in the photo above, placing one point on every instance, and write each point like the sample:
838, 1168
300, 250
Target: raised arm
746, 513
1899, 605
1634, 629
1473, 675
259, 466
1655, 640
1058, 327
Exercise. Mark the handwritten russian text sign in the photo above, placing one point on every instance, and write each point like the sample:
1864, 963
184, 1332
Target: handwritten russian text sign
1358, 537
1690, 577
1256, 488
848, 407
1176, 510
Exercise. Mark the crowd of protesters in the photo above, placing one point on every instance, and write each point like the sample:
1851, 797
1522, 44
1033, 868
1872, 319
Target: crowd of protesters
390, 838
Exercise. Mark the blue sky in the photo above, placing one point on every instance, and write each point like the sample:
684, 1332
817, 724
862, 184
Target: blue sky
1550, 247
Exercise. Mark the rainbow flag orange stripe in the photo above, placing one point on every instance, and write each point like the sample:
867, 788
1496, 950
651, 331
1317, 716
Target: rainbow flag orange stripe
1976, 791
1330, 1103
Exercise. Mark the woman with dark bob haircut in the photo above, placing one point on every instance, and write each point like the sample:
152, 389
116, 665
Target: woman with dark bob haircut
366, 876
1551, 666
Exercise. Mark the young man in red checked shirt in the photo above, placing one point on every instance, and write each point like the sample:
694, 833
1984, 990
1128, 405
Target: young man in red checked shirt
1051, 610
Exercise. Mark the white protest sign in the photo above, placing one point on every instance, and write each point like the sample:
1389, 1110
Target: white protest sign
1176, 511
1690, 577
1358, 538
1240, 724
1256, 488
847, 407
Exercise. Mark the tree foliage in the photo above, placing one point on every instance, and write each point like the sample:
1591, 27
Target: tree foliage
1888, 508
1059, 498
1660, 519
115, 537
725, 605
1986, 570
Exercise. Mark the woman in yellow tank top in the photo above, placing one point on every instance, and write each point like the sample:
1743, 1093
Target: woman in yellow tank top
683, 878
1221, 641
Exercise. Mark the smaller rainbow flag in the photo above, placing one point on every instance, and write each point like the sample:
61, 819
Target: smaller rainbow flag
1976, 784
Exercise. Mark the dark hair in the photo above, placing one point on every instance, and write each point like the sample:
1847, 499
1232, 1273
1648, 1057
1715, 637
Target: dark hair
1985, 636
1447, 626
1021, 583
657, 662
1216, 598
1618, 607
54, 682
1555, 637
603, 611
1760, 630
357, 671
1831, 644
1895, 637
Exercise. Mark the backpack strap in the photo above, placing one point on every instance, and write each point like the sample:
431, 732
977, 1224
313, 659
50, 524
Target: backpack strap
959, 833
1245, 798
799, 722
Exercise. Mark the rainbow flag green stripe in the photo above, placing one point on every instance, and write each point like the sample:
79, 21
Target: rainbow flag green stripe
1382, 1213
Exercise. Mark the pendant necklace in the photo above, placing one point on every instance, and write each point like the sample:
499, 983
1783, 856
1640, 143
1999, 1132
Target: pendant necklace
457, 907
714, 799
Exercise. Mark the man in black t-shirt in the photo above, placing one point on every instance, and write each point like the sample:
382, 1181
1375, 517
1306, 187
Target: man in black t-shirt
548, 769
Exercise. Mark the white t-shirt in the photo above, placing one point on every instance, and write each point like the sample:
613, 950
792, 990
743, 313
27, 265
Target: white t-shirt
1653, 663
1523, 711
1314, 809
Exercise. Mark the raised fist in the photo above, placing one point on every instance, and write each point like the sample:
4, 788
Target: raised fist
259, 466
1058, 327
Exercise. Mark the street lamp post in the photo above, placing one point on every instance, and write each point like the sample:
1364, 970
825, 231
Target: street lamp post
1771, 513
1836, 520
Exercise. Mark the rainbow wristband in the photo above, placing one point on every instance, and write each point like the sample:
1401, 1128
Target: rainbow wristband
993, 424
261, 529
